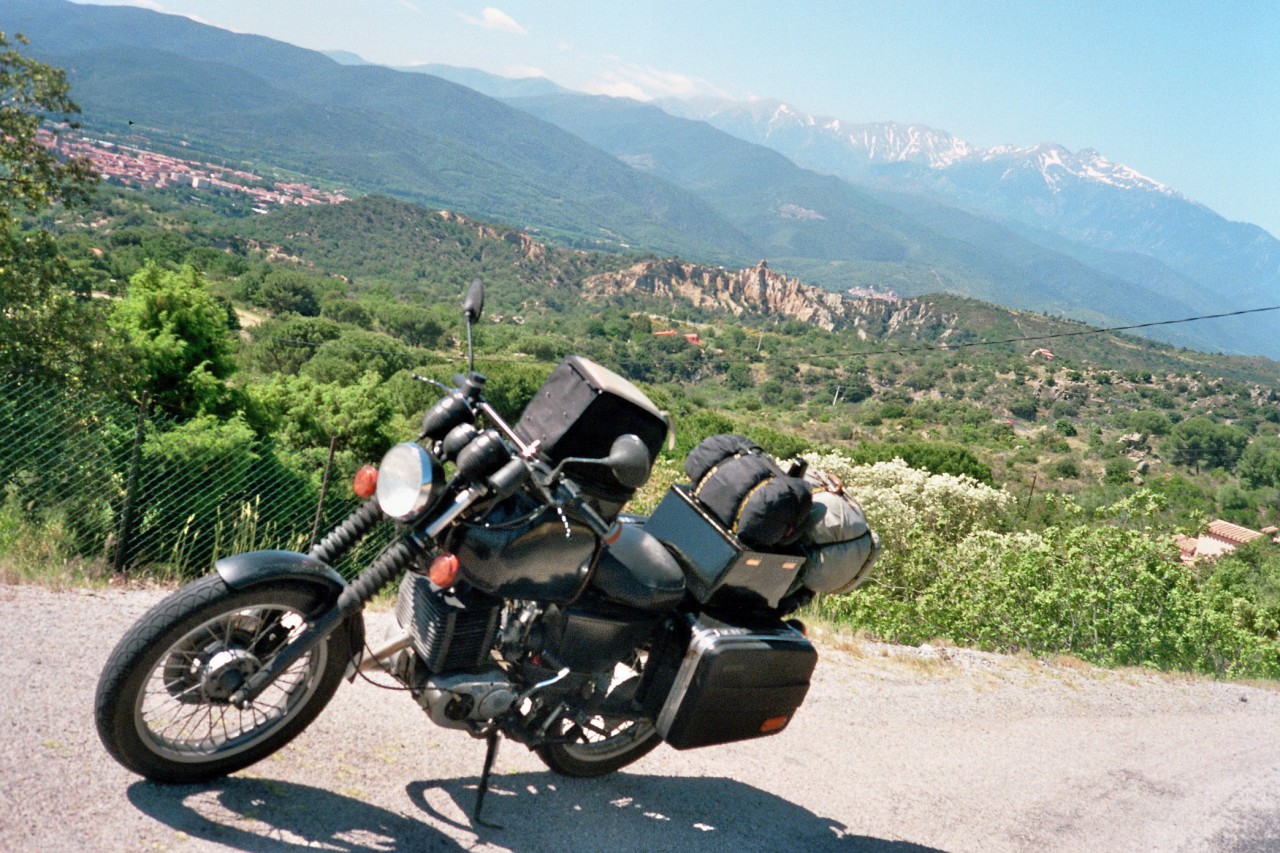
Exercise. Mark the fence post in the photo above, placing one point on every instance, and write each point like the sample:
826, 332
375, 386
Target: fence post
324, 490
130, 494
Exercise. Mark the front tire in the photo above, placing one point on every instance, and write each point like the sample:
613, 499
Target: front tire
162, 706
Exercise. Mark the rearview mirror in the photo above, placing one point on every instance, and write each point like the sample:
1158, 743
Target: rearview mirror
473, 304
628, 459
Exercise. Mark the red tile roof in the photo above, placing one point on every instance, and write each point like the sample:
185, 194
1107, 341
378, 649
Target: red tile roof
1232, 532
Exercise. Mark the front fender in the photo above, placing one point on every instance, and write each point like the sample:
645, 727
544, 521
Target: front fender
243, 570
240, 571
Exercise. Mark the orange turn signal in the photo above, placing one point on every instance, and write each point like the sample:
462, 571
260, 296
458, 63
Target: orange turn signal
773, 724
444, 570
365, 483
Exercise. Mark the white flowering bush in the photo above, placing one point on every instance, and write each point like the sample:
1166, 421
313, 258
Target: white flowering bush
902, 502
1106, 588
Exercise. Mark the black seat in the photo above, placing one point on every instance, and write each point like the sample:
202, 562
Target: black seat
637, 570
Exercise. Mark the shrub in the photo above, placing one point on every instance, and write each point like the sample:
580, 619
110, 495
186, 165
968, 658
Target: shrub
937, 458
1064, 469
1098, 588
1025, 408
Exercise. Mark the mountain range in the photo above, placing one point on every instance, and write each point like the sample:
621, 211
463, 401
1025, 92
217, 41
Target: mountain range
884, 206
1079, 197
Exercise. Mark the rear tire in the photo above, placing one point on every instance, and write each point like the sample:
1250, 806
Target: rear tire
161, 707
606, 743
588, 760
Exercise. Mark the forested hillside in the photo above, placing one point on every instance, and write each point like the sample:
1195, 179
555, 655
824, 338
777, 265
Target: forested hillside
372, 287
1024, 471
614, 174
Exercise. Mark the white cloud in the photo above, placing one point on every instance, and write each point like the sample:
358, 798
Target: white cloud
412, 8
149, 4
494, 19
618, 89
518, 71
644, 84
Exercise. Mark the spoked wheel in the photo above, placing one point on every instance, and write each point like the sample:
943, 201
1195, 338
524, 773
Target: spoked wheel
606, 742
163, 708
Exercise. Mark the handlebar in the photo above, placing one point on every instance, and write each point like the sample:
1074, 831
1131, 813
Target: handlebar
487, 460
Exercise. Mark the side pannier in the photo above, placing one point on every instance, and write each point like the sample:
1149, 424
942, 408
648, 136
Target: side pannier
840, 548
748, 492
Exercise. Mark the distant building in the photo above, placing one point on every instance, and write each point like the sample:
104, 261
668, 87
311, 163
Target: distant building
1220, 537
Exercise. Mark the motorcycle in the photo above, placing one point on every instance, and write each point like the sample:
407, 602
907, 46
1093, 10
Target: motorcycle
530, 607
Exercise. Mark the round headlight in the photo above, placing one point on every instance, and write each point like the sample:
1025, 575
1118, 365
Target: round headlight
406, 479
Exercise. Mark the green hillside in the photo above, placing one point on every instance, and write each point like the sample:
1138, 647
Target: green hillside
161, 79
1101, 449
584, 172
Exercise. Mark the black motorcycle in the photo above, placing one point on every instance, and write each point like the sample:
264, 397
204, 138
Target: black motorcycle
529, 605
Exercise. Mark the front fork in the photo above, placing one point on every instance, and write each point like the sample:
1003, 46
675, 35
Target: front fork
388, 565
347, 534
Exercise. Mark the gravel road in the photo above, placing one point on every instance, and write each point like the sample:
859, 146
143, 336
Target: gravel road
895, 750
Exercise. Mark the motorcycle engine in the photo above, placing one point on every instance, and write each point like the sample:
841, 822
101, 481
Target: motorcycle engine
451, 629
452, 633
457, 700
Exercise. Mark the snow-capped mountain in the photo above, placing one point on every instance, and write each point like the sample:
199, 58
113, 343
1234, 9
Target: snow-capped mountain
1099, 211
853, 148
1056, 166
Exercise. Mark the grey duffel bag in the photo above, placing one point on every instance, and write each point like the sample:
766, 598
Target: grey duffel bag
840, 548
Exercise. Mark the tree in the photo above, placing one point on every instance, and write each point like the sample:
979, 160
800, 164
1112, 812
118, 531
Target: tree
1024, 408
1199, 440
179, 336
287, 291
738, 377
48, 328
1260, 462
285, 344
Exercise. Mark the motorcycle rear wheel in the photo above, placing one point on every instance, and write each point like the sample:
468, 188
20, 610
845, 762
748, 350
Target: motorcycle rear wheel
162, 706
589, 759
606, 743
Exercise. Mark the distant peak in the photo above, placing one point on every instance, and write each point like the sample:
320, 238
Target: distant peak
880, 143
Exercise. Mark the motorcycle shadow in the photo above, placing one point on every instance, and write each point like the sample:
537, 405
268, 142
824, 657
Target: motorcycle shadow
256, 814
544, 812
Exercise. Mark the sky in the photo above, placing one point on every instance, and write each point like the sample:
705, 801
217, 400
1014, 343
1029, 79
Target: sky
1187, 93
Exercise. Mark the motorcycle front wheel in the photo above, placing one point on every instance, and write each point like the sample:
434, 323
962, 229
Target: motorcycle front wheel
162, 707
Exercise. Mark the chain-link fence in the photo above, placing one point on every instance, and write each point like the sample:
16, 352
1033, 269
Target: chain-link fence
127, 490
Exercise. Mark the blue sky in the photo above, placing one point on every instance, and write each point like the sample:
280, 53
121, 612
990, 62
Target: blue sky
1187, 93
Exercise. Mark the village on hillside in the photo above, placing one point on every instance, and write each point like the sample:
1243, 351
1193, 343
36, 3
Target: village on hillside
138, 167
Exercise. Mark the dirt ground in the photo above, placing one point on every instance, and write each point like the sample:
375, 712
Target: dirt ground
894, 750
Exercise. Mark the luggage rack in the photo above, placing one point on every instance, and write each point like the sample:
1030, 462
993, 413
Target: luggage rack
716, 563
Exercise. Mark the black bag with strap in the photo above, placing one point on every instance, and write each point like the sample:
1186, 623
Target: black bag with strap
748, 492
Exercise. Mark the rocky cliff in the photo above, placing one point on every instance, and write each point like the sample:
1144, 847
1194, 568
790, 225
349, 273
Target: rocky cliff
762, 291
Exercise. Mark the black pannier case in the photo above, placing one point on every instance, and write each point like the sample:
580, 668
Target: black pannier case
718, 567
580, 410
713, 682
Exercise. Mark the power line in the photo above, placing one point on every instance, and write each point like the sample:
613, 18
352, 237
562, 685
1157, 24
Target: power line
898, 351
1078, 333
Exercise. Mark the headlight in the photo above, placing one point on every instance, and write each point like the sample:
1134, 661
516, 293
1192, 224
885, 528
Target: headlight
406, 478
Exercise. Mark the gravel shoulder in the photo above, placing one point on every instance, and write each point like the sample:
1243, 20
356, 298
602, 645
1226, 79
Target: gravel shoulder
895, 750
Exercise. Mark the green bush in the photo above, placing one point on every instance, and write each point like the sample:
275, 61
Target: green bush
1064, 469
1096, 588
935, 457
1025, 408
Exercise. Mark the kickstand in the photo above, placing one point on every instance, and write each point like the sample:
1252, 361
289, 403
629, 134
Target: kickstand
490, 754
